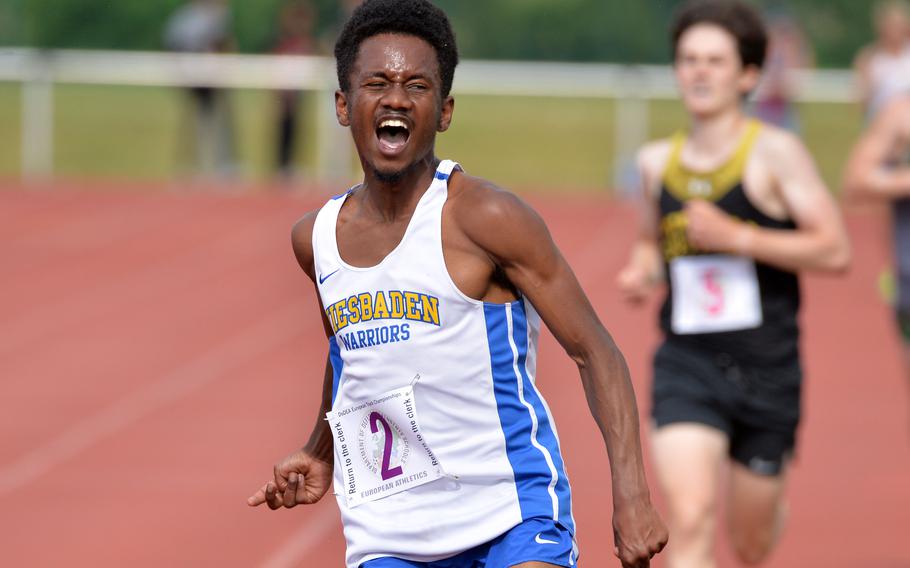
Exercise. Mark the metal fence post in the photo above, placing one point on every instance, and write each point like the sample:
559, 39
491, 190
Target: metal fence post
334, 153
38, 117
630, 131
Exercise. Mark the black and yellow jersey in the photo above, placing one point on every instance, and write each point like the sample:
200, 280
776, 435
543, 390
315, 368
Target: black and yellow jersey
775, 340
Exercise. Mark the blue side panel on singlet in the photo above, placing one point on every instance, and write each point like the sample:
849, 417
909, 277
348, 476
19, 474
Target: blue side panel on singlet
337, 365
545, 432
531, 444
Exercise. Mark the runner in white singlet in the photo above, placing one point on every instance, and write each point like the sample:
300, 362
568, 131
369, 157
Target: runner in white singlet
433, 285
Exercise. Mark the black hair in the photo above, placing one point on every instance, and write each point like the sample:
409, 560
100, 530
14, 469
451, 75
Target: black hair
735, 16
418, 18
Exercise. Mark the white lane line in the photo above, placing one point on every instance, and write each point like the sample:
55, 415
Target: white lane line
307, 538
208, 367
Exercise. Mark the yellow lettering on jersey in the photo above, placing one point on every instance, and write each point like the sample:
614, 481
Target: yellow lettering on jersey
366, 307
674, 240
430, 309
341, 318
354, 310
330, 314
411, 301
380, 307
397, 301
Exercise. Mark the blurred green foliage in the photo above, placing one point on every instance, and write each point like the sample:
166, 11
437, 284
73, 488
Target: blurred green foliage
570, 30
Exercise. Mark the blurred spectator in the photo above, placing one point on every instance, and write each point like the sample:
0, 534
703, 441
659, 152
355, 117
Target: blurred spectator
203, 26
788, 50
295, 29
883, 68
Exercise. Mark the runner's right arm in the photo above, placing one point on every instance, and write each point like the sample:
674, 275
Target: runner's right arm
644, 271
304, 476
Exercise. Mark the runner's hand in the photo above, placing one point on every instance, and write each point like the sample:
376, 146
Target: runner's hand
712, 230
638, 533
300, 479
635, 284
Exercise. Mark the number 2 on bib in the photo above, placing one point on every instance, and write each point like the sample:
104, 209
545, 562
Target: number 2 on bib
375, 420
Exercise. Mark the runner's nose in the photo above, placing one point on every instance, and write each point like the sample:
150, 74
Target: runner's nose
396, 97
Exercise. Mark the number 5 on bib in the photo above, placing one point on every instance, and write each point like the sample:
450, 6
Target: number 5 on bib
714, 293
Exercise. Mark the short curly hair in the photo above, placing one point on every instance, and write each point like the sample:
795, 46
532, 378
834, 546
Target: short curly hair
735, 16
418, 18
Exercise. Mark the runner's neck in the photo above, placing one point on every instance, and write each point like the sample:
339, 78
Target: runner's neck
392, 201
711, 136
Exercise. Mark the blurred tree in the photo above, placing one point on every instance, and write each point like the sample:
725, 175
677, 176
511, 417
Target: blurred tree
559, 30
10, 22
125, 24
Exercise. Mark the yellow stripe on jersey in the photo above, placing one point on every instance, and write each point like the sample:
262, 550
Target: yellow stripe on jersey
685, 184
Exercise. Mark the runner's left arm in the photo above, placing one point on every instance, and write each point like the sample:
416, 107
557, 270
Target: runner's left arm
820, 240
517, 240
868, 173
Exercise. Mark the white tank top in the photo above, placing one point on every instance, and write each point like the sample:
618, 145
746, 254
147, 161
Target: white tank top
889, 77
480, 413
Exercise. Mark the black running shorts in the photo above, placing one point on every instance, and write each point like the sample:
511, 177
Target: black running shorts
758, 408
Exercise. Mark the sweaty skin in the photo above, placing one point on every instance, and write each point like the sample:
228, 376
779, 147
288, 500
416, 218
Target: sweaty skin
494, 246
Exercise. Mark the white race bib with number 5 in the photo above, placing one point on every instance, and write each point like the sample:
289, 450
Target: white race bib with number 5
714, 293
380, 447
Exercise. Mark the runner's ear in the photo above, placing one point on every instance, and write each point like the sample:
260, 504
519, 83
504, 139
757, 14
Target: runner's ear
341, 108
445, 114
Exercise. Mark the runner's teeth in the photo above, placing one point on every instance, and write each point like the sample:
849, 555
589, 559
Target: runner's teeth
393, 124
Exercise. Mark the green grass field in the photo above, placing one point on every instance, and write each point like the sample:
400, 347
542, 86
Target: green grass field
521, 142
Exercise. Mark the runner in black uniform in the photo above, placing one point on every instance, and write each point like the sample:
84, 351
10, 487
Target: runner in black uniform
733, 210
744, 382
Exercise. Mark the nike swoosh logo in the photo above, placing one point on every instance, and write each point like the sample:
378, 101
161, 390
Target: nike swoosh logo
539, 540
322, 279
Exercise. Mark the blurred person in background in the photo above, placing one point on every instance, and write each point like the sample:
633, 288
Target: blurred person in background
878, 170
788, 51
204, 26
883, 68
732, 210
295, 37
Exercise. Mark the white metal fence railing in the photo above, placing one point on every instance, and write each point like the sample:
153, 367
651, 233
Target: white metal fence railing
630, 85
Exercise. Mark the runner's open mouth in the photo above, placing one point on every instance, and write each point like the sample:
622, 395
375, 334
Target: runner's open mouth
393, 134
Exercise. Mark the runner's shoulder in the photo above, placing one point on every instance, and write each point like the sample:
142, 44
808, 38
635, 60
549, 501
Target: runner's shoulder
485, 211
474, 197
778, 146
652, 158
302, 241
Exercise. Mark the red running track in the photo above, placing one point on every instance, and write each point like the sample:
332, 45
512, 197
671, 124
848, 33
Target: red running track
159, 351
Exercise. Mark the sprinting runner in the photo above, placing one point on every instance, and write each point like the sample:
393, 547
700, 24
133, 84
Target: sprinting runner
433, 285
733, 209
879, 169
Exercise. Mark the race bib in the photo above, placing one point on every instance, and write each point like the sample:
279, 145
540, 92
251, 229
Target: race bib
380, 447
714, 293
